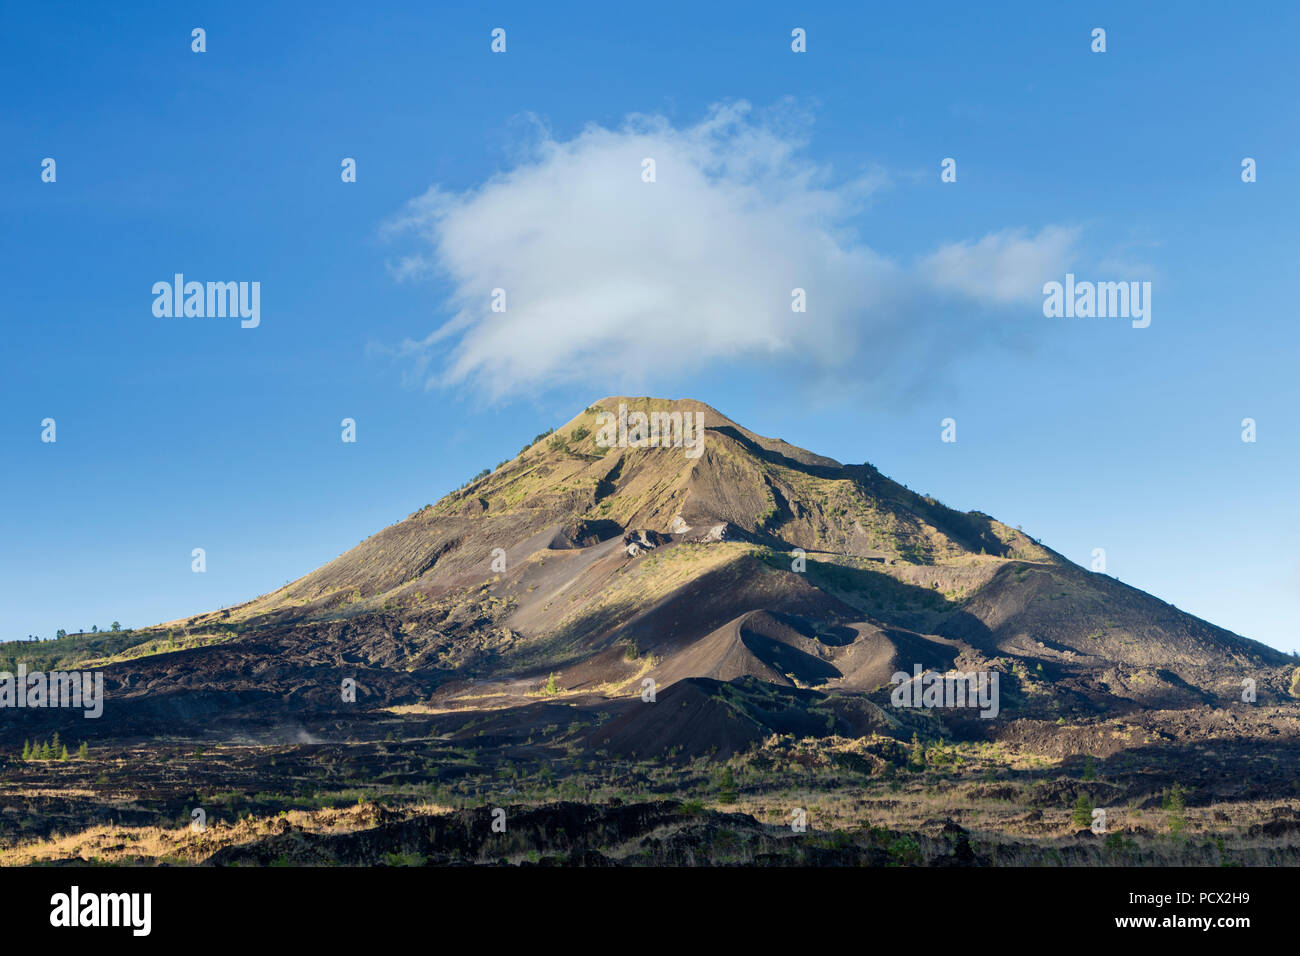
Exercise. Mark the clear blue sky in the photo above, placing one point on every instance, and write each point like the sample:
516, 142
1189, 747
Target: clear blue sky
183, 433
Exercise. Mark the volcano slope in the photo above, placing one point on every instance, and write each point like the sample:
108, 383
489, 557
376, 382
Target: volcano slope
733, 603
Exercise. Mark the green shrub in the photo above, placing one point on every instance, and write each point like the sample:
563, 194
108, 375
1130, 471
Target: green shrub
905, 851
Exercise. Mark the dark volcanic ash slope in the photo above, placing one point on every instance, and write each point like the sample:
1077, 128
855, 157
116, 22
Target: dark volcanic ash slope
607, 566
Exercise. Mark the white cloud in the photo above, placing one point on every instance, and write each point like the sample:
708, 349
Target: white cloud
1004, 267
604, 270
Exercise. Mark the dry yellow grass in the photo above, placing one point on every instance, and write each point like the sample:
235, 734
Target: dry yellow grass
181, 845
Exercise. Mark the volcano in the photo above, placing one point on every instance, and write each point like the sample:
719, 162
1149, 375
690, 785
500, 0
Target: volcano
750, 585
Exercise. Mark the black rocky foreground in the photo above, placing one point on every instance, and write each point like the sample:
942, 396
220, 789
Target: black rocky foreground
662, 833
670, 833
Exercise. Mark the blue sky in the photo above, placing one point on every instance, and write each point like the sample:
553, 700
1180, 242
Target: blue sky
176, 433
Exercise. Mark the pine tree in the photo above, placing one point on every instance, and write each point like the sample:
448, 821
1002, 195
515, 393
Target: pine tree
27, 750
917, 757
727, 786
54, 745
1082, 815
63, 752
83, 752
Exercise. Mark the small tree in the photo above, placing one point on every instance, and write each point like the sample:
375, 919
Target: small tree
1175, 803
551, 687
917, 755
60, 634
116, 627
83, 752
727, 786
27, 750
1082, 816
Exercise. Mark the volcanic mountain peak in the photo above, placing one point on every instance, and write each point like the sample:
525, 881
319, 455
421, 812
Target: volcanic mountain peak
605, 557
597, 477
763, 489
